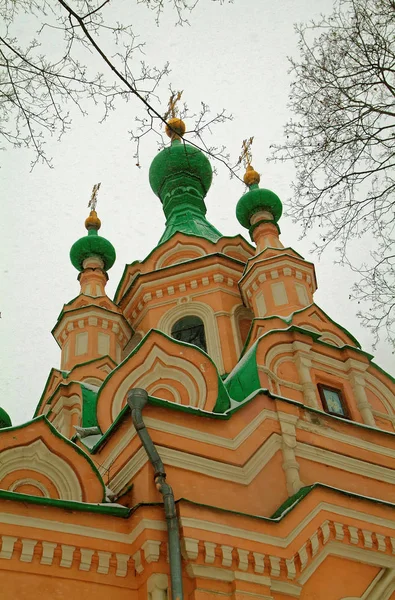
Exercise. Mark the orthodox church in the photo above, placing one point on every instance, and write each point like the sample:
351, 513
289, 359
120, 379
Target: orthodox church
210, 432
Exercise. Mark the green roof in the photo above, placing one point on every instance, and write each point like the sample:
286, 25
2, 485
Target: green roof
92, 245
180, 176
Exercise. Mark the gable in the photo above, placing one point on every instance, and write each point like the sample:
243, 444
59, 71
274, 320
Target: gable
174, 371
36, 460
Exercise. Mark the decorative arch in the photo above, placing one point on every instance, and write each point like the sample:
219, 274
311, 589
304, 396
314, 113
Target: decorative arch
242, 318
184, 379
34, 456
331, 338
179, 253
37, 457
171, 370
206, 314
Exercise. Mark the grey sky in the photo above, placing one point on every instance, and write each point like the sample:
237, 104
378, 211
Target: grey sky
232, 56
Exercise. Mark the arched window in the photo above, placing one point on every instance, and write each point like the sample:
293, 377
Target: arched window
190, 329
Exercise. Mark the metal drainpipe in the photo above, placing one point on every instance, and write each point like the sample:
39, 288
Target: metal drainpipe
137, 398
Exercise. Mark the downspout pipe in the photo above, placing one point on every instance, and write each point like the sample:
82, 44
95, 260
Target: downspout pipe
137, 398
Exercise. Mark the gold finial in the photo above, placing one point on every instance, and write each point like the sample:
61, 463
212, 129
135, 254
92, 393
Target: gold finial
175, 127
250, 176
93, 221
93, 201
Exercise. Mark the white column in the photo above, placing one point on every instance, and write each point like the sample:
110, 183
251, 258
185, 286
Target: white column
157, 586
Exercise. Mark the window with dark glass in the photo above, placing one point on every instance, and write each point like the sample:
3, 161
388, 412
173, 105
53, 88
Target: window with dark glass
332, 400
190, 329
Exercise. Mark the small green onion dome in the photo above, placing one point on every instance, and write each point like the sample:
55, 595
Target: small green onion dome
180, 165
5, 420
257, 199
92, 245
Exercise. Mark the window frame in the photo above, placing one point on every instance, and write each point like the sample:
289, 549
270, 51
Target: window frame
323, 386
201, 324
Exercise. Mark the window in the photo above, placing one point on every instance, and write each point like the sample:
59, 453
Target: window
190, 329
333, 401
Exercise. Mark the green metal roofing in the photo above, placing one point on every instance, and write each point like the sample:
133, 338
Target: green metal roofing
191, 222
181, 176
92, 245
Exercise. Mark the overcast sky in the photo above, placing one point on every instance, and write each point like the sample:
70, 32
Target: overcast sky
232, 56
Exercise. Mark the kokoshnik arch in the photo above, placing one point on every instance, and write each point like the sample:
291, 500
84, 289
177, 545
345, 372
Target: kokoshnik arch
276, 430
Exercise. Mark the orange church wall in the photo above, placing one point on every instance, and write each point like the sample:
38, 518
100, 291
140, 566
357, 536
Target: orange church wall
25, 586
339, 578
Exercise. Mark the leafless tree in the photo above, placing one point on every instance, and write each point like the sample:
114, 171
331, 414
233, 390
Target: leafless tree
342, 144
79, 52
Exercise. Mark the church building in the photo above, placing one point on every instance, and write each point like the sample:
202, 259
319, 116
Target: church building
210, 433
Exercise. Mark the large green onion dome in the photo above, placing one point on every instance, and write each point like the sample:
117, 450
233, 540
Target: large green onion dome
180, 164
92, 245
256, 200
181, 175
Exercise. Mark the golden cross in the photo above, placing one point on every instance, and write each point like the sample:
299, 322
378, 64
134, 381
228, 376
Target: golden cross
93, 201
171, 111
246, 154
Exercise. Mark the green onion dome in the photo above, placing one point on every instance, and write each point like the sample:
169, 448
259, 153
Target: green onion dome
92, 245
5, 420
256, 200
180, 165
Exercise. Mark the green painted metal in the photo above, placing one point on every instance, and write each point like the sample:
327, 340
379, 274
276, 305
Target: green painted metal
255, 200
137, 399
92, 245
69, 505
5, 420
89, 400
244, 379
180, 176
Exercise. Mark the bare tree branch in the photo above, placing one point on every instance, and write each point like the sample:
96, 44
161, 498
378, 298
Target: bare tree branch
342, 144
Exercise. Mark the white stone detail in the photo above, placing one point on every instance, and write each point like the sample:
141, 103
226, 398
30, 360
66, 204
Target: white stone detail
259, 564
47, 553
194, 284
205, 281
274, 566
92, 321
303, 557
226, 555
314, 543
7, 546
81, 343
209, 552
27, 550
67, 556
191, 547
279, 293
37, 457
354, 539
151, 549
122, 564
291, 569
86, 559
367, 538
104, 562
137, 562
243, 559
103, 343
274, 274
339, 531
381, 542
